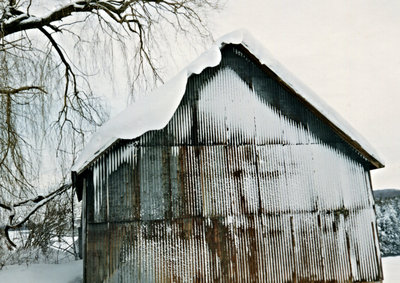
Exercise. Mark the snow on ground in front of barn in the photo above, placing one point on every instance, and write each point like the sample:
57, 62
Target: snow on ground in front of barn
71, 272
391, 269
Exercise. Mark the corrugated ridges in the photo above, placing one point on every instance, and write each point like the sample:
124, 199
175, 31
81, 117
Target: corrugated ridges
255, 248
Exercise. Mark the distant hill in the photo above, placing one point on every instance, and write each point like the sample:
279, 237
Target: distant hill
386, 193
387, 204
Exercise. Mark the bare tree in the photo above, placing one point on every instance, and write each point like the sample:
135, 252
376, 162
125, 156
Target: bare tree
45, 96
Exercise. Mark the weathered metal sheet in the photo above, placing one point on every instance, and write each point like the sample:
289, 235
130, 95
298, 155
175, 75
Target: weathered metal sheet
243, 185
254, 248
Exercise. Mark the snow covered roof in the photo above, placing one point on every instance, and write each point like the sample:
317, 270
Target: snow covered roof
153, 111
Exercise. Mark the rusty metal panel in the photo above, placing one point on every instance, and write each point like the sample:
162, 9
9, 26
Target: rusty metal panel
243, 185
274, 248
115, 185
97, 250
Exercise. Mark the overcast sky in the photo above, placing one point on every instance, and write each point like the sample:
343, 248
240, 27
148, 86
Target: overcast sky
348, 52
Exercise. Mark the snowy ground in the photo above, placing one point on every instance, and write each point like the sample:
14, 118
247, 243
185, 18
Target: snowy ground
72, 272
391, 269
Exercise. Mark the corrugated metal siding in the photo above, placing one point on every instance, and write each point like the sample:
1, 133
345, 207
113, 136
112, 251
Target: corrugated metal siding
242, 185
243, 248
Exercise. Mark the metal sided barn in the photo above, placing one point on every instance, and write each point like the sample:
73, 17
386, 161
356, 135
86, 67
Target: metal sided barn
233, 171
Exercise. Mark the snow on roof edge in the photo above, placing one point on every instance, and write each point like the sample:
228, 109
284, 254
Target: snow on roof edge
150, 112
153, 111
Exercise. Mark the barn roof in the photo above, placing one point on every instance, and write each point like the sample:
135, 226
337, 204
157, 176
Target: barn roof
153, 111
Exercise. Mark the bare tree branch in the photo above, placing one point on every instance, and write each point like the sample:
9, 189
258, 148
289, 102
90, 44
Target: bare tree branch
21, 89
39, 201
124, 11
18, 21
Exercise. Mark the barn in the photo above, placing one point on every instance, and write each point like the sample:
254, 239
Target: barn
233, 171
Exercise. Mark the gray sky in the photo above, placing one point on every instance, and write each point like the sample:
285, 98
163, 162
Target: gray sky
348, 52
